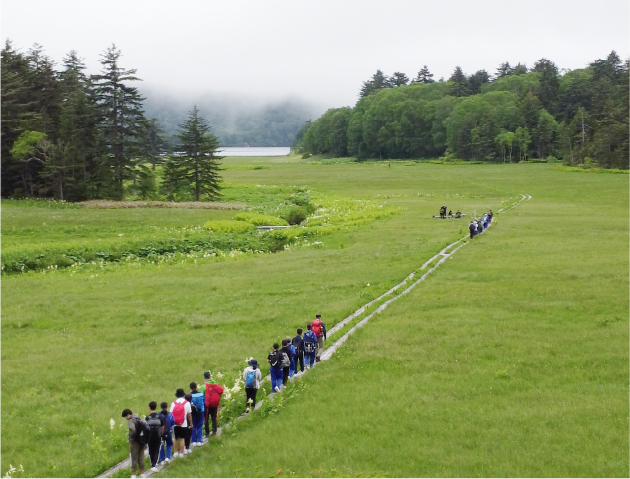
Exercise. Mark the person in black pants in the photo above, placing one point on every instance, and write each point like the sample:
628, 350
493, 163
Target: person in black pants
157, 430
298, 344
286, 368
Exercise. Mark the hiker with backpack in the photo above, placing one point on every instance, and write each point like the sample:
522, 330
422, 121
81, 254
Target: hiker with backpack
310, 346
212, 393
167, 436
182, 414
198, 414
188, 397
252, 378
139, 433
275, 362
287, 356
298, 344
319, 328
293, 356
490, 216
472, 227
156, 424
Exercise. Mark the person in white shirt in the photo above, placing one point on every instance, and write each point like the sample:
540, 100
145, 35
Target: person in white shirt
252, 378
182, 413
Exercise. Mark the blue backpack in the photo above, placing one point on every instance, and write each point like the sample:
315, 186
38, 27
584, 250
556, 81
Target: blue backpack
198, 400
250, 379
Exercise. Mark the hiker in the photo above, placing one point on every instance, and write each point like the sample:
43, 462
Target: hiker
458, 214
167, 436
275, 362
443, 211
298, 344
198, 414
490, 216
450, 213
319, 328
252, 378
485, 221
156, 424
188, 397
479, 226
310, 346
286, 360
182, 414
136, 450
212, 392
472, 227
293, 356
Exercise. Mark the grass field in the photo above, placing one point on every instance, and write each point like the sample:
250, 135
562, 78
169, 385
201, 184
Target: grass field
510, 360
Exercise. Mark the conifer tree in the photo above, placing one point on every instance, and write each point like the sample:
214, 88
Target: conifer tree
198, 163
378, 82
122, 120
398, 79
460, 83
424, 76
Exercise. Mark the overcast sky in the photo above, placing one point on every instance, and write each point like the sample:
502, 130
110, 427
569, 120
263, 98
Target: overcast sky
320, 51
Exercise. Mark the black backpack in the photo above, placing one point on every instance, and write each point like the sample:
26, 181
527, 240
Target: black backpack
155, 425
143, 432
276, 359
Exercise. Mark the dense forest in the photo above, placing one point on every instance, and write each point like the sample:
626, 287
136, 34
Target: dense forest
580, 116
74, 136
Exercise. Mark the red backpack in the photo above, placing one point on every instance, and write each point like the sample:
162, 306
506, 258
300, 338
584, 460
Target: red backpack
179, 412
317, 328
213, 394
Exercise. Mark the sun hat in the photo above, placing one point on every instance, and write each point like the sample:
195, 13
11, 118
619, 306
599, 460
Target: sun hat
253, 363
180, 393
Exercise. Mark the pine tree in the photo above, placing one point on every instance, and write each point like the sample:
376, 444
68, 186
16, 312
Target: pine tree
424, 76
123, 123
398, 79
504, 70
477, 80
460, 83
198, 164
378, 82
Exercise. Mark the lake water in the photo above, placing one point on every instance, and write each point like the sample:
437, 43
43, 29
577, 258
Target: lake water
254, 151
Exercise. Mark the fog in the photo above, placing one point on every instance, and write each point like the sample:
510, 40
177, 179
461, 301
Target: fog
319, 53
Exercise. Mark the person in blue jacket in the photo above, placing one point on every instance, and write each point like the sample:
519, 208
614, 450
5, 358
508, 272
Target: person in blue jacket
310, 346
167, 438
198, 400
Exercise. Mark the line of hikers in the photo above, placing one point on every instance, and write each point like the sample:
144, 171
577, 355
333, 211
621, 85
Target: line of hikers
476, 227
182, 424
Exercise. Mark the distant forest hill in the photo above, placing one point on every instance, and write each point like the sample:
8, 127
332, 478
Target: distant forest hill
235, 122
520, 113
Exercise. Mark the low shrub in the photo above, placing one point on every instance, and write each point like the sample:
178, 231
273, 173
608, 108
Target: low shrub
296, 215
228, 226
260, 220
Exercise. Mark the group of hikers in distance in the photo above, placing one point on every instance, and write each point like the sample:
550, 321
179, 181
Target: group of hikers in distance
476, 227
182, 424
444, 215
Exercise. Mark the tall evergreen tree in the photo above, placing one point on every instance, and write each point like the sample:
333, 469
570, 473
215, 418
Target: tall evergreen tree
378, 82
198, 164
398, 79
477, 80
460, 83
504, 70
45, 91
549, 85
123, 122
424, 76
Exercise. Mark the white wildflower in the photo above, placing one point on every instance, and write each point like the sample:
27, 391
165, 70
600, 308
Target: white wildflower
112, 423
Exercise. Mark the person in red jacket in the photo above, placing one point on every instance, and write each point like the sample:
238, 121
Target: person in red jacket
212, 392
319, 328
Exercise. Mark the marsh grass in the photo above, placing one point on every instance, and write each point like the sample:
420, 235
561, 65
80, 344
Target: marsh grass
414, 393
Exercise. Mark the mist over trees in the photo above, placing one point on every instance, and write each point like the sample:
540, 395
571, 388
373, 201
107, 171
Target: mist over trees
580, 116
73, 136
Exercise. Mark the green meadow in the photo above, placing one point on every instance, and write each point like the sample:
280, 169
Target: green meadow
511, 359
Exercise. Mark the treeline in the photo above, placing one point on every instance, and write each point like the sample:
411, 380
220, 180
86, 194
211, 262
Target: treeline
73, 136
580, 116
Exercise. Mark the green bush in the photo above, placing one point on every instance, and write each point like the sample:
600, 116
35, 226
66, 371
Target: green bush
260, 220
296, 215
228, 226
